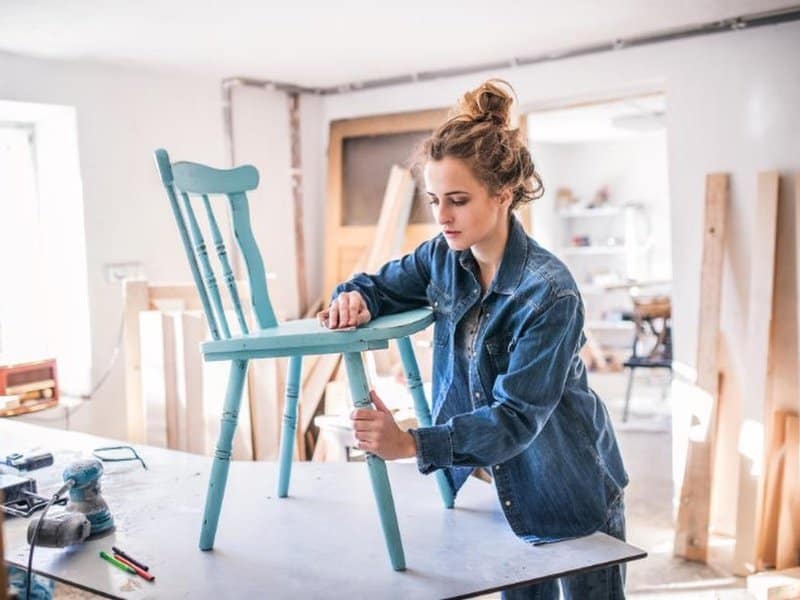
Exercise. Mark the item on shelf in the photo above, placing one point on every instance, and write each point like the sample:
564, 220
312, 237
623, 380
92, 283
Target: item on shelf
615, 241
600, 198
565, 198
581, 240
605, 278
28, 387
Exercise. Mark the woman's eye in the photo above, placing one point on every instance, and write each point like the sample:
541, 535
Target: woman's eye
459, 202
433, 201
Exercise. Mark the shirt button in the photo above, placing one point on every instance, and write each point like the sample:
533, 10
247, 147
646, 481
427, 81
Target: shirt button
507, 503
477, 394
435, 304
497, 467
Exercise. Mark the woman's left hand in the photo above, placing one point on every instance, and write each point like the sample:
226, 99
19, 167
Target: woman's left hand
377, 432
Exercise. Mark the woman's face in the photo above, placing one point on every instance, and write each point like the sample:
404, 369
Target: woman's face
462, 206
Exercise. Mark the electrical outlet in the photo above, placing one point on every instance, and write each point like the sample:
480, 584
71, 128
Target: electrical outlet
117, 272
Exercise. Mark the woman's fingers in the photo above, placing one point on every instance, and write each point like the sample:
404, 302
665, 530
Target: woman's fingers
379, 405
348, 309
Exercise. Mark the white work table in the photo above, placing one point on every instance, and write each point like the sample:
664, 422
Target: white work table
324, 540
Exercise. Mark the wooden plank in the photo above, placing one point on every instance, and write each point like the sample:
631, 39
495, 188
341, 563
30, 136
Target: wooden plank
158, 377
134, 298
265, 381
394, 216
775, 585
184, 296
691, 532
783, 370
768, 534
193, 331
296, 172
788, 543
759, 358
215, 381
725, 482
314, 388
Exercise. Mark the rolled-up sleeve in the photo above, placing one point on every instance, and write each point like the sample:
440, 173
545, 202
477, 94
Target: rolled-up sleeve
524, 396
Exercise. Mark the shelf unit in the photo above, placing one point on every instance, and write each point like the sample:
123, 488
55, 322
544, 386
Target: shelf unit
620, 243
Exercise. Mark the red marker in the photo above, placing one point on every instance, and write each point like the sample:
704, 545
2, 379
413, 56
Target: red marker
140, 572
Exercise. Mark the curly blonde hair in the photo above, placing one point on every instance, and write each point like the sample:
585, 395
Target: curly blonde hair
479, 133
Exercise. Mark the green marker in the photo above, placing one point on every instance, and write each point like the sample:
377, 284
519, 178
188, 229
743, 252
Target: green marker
116, 563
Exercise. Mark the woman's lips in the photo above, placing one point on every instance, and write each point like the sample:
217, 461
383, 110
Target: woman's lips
451, 233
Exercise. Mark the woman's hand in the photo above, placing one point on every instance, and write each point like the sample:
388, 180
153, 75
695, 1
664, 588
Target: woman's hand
377, 432
348, 309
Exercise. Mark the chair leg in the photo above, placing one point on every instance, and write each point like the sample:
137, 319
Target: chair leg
628, 391
222, 455
289, 425
377, 468
421, 408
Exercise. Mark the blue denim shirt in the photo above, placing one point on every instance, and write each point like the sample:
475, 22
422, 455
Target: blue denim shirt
523, 407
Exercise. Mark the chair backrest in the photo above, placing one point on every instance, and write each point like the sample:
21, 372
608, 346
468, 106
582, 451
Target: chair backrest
189, 180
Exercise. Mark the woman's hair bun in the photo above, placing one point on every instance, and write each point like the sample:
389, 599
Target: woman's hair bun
479, 132
491, 101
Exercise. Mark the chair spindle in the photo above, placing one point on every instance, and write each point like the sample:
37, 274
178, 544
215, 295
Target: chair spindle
208, 273
227, 271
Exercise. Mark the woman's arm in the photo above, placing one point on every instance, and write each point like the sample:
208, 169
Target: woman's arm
399, 285
524, 397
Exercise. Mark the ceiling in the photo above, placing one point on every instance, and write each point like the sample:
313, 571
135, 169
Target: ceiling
322, 43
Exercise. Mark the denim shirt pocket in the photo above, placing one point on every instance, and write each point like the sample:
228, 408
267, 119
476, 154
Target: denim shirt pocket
499, 348
442, 304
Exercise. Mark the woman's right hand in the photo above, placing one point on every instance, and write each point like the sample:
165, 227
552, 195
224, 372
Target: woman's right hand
348, 309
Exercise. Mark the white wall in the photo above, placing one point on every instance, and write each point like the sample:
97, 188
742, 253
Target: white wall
122, 116
261, 138
731, 106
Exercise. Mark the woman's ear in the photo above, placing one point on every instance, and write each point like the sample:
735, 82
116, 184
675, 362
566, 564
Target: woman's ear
505, 196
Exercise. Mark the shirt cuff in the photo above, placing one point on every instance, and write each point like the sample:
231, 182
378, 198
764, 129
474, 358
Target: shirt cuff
434, 448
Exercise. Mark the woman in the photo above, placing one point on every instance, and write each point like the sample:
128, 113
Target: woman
509, 390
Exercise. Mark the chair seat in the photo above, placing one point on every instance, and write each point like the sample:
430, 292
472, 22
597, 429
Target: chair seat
307, 336
653, 363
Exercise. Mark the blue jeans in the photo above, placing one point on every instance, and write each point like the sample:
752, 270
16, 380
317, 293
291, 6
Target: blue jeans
601, 584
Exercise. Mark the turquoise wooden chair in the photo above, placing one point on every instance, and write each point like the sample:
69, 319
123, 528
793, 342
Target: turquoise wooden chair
268, 338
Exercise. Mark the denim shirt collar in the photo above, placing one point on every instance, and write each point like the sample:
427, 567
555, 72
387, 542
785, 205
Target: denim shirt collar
509, 274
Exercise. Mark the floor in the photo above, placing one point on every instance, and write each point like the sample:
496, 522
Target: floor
645, 441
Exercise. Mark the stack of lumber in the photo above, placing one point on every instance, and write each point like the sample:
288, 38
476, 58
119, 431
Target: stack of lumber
742, 470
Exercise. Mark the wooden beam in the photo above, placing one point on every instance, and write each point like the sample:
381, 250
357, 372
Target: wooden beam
788, 542
392, 222
758, 358
768, 534
297, 200
135, 301
775, 585
691, 532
